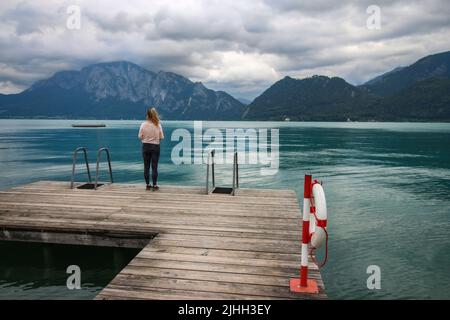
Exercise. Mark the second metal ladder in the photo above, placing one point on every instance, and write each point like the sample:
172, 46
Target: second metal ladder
91, 185
210, 164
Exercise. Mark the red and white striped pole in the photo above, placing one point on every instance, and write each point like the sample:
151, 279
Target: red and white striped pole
305, 230
303, 284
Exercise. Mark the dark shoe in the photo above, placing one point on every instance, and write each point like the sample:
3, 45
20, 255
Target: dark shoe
148, 188
155, 188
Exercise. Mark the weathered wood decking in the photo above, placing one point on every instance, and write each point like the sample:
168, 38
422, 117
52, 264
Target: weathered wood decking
205, 246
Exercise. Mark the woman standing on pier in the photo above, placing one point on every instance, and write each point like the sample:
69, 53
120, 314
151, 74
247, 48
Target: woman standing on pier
150, 134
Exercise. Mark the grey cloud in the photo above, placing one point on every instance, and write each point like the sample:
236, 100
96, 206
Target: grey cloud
121, 21
201, 25
28, 18
317, 6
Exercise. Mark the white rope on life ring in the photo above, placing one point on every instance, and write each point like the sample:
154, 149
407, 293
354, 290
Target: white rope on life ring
318, 220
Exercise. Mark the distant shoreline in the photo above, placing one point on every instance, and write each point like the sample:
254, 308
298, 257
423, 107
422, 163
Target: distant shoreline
281, 121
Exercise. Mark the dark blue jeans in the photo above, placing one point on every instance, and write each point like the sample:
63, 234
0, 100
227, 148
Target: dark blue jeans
150, 153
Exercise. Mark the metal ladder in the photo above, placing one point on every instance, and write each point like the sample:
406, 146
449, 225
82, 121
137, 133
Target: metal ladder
95, 185
210, 164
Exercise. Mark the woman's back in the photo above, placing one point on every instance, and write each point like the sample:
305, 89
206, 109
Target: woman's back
150, 133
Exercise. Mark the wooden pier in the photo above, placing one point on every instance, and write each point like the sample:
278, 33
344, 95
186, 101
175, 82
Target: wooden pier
195, 246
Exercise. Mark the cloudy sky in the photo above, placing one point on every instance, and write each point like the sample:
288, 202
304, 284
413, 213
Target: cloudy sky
238, 46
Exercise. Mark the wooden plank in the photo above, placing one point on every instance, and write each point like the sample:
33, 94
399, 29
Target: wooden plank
192, 218
143, 224
213, 239
245, 261
237, 254
59, 205
195, 243
212, 276
280, 292
131, 292
140, 261
157, 196
179, 190
206, 229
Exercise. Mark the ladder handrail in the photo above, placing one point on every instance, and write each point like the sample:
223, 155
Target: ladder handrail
98, 165
235, 173
210, 156
75, 152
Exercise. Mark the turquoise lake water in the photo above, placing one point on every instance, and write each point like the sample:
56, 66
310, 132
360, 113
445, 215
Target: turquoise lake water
387, 188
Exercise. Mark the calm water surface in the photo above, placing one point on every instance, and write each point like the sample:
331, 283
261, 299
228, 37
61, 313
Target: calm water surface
39, 271
387, 187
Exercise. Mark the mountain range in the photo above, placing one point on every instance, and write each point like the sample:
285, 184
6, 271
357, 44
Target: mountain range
120, 90
123, 90
419, 92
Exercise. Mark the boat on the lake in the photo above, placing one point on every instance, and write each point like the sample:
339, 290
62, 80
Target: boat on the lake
89, 125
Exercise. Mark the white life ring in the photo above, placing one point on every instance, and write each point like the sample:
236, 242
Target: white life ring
318, 219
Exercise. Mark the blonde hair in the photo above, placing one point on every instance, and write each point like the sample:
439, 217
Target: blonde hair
152, 115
